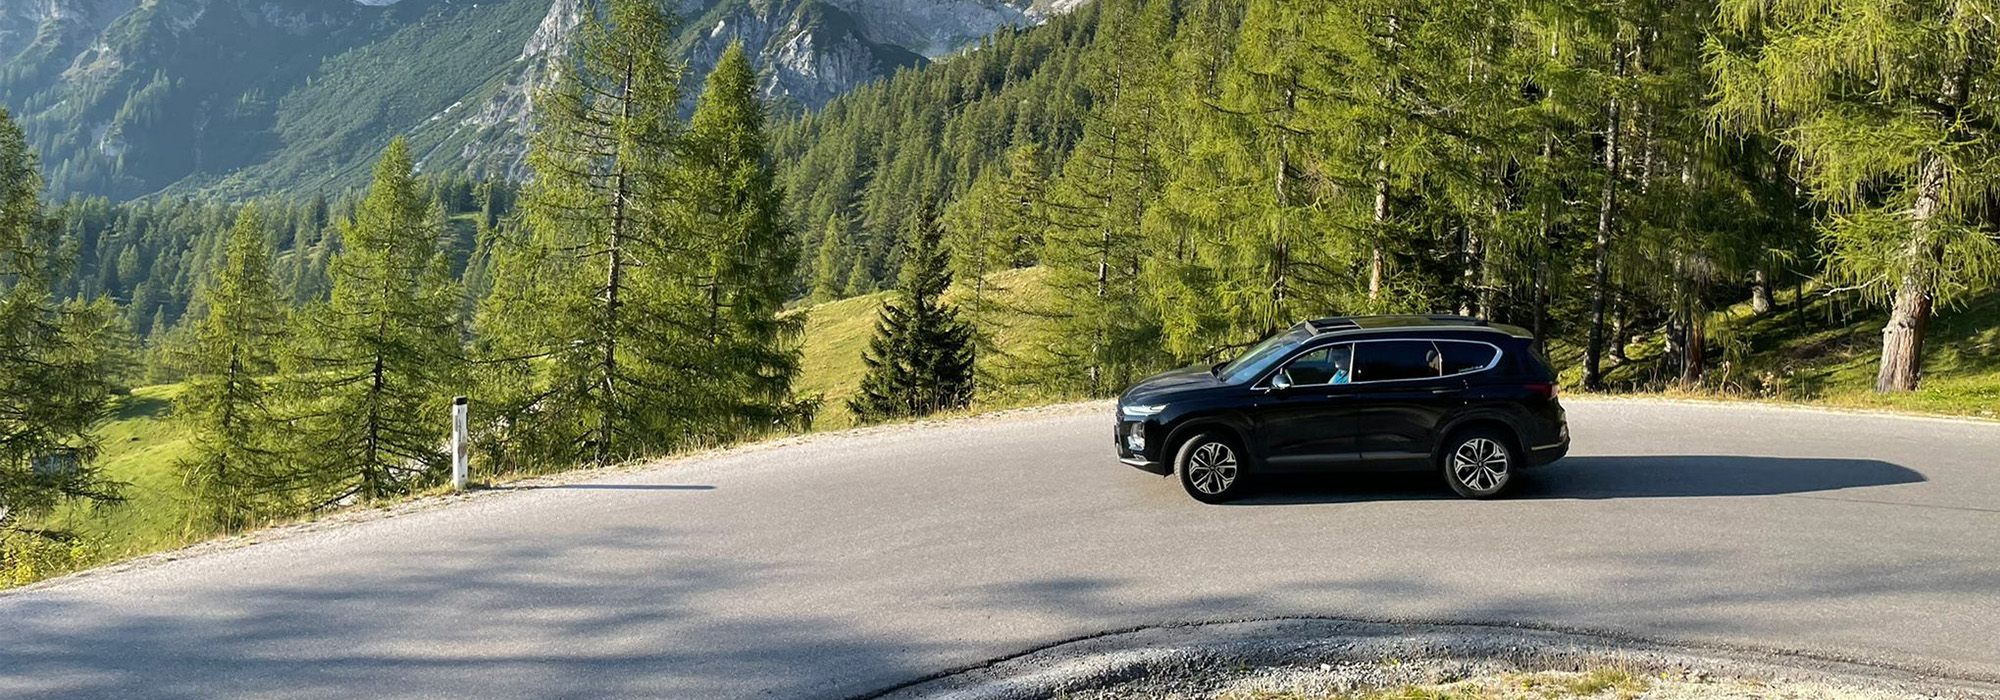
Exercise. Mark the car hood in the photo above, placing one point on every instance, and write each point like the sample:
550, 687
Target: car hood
1168, 384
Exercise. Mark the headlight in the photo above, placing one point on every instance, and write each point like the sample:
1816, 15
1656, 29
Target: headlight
1142, 410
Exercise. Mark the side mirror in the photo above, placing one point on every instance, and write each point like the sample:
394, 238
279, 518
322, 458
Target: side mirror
1281, 381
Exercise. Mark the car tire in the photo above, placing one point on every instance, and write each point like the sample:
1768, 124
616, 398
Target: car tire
1480, 463
1211, 467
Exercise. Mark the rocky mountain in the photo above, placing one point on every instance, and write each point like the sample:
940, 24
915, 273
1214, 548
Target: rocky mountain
126, 98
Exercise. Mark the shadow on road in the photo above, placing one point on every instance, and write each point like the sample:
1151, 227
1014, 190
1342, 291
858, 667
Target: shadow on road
1649, 476
637, 487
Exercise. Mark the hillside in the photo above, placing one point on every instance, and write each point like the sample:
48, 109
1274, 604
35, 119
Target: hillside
252, 97
1822, 348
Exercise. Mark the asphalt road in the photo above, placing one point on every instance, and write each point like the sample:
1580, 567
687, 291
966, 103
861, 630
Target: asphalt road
848, 564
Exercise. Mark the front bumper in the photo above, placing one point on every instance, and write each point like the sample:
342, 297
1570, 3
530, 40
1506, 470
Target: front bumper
1137, 442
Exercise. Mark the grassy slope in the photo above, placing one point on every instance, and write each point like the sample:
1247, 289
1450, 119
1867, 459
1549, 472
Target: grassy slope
837, 332
140, 448
1822, 349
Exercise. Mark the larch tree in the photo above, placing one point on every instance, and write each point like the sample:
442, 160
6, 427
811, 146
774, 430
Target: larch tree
1891, 108
744, 260
591, 326
376, 365
228, 403
57, 361
1095, 209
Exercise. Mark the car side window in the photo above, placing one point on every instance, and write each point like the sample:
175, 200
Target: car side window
1460, 358
1391, 360
1328, 365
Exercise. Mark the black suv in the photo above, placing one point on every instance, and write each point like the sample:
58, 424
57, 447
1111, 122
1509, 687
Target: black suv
1470, 399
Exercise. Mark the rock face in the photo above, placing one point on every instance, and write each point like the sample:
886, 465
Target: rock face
22, 21
125, 98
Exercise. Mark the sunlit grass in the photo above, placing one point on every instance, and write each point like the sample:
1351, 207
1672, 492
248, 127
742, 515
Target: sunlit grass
1821, 349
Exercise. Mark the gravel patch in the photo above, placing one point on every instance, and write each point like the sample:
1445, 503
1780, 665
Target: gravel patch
1312, 659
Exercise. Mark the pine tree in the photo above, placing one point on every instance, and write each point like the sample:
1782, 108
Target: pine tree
377, 364
227, 404
920, 360
1898, 141
57, 361
594, 325
746, 259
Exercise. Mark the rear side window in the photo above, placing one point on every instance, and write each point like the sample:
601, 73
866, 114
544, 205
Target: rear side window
1460, 358
1396, 359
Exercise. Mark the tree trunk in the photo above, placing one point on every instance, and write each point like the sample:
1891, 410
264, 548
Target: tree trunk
1381, 220
1903, 337
1470, 299
1621, 330
1694, 348
1600, 279
1760, 292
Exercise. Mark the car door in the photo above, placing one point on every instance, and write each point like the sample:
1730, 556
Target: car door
1401, 396
1309, 425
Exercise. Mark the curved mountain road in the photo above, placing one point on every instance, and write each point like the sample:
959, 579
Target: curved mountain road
846, 564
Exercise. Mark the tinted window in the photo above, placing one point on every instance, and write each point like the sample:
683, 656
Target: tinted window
1322, 366
1396, 359
1460, 358
1264, 355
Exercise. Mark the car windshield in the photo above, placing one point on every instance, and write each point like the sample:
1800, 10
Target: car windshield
1262, 356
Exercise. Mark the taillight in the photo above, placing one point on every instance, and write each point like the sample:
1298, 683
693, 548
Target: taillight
1546, 391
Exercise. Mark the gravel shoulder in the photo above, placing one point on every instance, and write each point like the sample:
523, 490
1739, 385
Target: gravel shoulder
1309, 659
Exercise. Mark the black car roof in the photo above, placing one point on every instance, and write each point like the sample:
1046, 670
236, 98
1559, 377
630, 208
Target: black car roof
1402, 322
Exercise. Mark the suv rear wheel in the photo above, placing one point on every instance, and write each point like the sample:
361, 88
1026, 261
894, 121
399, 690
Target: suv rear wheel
1479, 463
1211, 467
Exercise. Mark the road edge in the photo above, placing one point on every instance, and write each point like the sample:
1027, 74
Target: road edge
1238, 647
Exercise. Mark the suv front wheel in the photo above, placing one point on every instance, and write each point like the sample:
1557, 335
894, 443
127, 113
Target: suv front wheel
1211, 468
1479, 463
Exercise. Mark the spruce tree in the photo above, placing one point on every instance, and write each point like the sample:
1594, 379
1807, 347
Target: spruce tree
57, 361
594, 325
228, 402
378, 363
833, 263
920, 360
746, 259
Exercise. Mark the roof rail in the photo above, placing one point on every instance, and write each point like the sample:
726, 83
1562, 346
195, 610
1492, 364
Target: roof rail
1387, 321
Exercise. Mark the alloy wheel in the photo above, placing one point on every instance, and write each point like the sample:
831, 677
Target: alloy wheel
1480, 464
1212, 468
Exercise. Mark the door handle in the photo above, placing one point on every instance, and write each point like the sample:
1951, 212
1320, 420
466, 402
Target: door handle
1446, 391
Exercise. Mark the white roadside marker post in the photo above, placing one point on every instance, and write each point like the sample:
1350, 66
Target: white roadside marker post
460, 445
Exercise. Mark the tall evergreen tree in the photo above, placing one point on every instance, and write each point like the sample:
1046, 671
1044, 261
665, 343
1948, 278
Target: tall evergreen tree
594, 325
1096, 208
57, 361
377, 364
227, 404
834, 261
920, 360
746, 258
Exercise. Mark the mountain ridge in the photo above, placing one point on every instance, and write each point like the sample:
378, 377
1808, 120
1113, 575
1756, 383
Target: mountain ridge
240, 98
